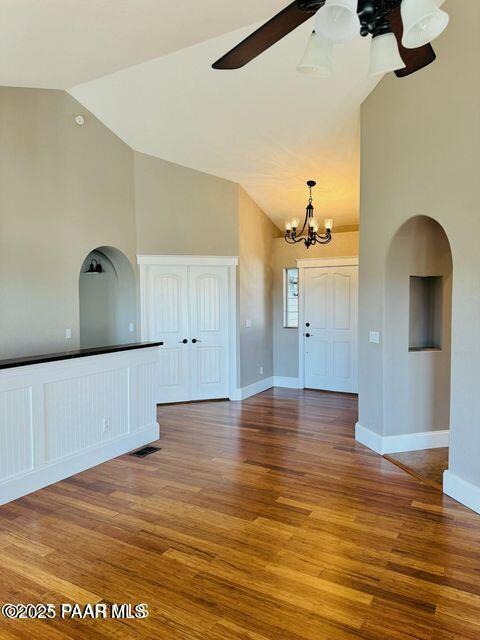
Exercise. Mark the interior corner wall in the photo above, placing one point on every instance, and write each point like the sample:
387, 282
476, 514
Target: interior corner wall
64, 190
285, 340
256, 235
420, 156
180, 211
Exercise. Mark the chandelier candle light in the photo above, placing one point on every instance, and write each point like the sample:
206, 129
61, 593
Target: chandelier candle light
309, 232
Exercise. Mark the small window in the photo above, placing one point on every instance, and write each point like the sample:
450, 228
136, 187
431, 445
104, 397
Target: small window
290, 298
426, 309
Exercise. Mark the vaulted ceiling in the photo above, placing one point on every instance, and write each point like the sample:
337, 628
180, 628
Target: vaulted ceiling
57, 44
143, 67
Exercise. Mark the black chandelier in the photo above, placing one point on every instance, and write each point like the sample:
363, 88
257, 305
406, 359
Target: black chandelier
309, 232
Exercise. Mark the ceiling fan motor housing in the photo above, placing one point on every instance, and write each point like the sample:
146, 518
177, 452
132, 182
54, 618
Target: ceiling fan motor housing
373, 15
310, 5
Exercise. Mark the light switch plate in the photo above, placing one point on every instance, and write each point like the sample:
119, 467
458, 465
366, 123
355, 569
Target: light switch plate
131, 327
375, 337
248, 323
68, 334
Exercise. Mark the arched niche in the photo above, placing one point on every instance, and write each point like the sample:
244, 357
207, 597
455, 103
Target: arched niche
417, 331
108, 300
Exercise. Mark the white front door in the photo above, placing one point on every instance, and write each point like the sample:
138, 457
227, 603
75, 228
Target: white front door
208, 332
331, 328
187, 308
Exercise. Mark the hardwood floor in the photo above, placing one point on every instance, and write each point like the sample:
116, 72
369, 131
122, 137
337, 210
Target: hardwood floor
427, 465
260, 520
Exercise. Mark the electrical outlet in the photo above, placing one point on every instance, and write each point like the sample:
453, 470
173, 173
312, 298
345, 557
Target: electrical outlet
68, 334
375, 337
106, 425
131, 327
248, 323
261, 371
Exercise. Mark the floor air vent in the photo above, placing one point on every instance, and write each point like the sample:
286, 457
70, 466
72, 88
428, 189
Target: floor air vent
146, 451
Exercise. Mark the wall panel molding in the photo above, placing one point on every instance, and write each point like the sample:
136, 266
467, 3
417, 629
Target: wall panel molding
60, 418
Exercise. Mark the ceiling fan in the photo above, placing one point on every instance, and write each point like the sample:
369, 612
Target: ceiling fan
401, 33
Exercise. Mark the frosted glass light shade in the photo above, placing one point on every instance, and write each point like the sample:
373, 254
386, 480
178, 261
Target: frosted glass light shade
338, 20
423, 21
317, 59
384, 55
328, 224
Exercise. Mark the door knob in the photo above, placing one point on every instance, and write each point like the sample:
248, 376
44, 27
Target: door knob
184, 341
195, 341
308, 335
307, 324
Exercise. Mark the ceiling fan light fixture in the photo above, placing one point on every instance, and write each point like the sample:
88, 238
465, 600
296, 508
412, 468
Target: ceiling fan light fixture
422, 21
317, 59
338, 20
384, 55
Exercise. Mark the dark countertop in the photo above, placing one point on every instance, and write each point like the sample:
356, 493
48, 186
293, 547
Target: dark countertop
25, 361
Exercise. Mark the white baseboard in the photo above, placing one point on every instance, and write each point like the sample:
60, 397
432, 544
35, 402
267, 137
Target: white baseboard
398, 444
252, 389
44, 476
462, 491
368, 438
287, 383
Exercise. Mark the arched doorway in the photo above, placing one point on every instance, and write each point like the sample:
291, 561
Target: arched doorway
417, 349
108, 308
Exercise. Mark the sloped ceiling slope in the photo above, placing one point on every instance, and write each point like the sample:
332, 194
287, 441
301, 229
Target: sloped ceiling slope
56, 44
264, 126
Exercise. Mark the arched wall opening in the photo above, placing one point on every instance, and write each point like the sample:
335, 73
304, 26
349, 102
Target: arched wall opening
108, 300
418, 326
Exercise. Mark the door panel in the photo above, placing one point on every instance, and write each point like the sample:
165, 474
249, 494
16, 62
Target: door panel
331, 308
209, 327
167, 290
167, 321
341, 360
318, 298
341, 301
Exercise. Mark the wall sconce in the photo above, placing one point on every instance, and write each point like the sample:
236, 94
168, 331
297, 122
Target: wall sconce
95, 267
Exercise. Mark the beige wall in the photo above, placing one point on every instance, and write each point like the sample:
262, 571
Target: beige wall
64, 190
256, 236
170, 198
420, 155
285, 341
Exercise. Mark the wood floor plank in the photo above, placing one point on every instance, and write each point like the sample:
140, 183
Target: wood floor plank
260, 520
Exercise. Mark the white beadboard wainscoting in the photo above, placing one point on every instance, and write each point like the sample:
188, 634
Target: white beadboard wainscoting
60, 418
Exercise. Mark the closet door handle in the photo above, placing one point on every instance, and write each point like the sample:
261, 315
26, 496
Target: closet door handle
308, 335
184, 341
195, 341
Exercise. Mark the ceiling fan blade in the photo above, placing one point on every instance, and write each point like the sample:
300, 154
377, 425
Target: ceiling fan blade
271, 32
415, 59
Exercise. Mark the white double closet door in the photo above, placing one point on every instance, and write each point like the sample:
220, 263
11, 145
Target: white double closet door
330, 331
187, 308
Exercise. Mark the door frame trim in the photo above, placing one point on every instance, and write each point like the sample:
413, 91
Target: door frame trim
309, 263
145, 261
188, 261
